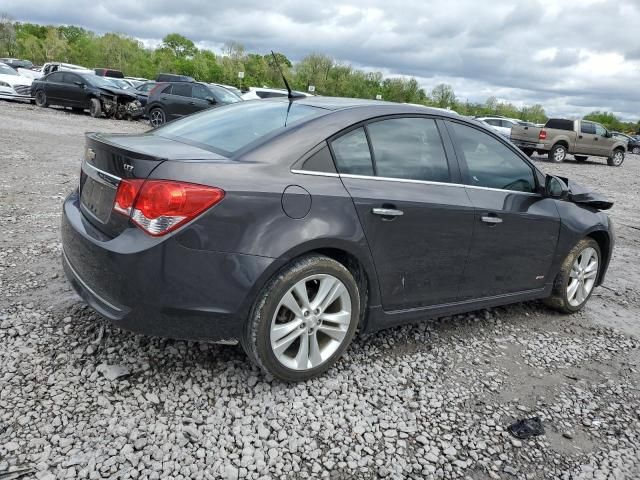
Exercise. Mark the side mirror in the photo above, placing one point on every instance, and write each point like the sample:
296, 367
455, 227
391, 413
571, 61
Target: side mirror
211, 100
555, 187
79, 83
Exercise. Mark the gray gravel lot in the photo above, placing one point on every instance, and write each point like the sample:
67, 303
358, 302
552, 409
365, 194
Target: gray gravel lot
82, 399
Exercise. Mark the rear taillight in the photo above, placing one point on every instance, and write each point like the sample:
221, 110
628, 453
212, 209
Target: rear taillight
543, 135
160, 206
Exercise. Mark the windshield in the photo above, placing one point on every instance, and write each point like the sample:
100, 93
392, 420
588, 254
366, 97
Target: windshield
6, 70
97, 81
119, 83
226, 96
230, 128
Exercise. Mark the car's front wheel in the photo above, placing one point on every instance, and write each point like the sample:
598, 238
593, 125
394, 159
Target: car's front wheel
636, 150
577, 277
41, 99
95, 108
304, 319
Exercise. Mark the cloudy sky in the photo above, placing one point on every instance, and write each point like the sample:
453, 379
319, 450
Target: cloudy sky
573, 56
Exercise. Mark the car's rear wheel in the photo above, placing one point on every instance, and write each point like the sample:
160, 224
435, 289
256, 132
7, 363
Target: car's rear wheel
41, 99
558, 153
304, 319
616, 158
581, 158
95, 108
157, 117
577, 277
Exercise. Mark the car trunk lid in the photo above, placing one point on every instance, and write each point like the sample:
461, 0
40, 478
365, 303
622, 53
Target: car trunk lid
111, 158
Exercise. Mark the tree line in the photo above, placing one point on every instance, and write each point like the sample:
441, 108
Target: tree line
178, 54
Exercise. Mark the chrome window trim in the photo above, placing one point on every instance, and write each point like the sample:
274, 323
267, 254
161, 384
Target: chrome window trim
314, 173
403, 180
101, 175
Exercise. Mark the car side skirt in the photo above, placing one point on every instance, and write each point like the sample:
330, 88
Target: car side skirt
378, 319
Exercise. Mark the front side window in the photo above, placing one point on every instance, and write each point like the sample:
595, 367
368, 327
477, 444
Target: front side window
600, 130
588, 127
55, 77
351, 152
490, 163
408, 148
200, 92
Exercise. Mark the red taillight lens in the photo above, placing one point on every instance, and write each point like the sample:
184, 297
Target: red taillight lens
160, 206
126, 195
543, 135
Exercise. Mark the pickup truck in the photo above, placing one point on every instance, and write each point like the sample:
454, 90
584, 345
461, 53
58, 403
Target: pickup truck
559, 137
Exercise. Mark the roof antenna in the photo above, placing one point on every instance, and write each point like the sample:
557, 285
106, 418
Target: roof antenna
291, 95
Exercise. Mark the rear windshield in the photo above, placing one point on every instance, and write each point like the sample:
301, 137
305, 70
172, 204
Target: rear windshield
228, 129
559, 124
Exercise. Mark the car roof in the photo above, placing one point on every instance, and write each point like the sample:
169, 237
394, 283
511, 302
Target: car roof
341, 103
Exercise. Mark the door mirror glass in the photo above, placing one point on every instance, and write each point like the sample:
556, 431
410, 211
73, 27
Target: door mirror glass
211, 100
555, 187
79, 83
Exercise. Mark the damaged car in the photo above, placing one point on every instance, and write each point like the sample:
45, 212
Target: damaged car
86, 91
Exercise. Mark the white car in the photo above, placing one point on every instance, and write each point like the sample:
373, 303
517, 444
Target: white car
500, 124
256, 93
14, 85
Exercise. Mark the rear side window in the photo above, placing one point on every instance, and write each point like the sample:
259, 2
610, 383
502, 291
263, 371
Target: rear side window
181, 89
559, 124
352, 154
167, 89
588, 127
490, 163
408, 148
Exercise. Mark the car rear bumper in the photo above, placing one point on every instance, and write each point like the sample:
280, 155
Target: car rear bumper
528, 145
157, 286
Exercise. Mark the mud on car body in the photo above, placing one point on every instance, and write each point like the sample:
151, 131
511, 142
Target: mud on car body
82, 91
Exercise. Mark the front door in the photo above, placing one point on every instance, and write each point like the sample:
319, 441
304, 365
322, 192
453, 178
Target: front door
200, 98
605, 140
515, 230
587, 141
417, 222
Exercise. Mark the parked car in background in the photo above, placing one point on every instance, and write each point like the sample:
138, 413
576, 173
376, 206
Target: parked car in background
82, 91
142, 91
256, 93
16, 63
13, 85
136, 81
633, 143
500, 124
168, 101
122, 83
579, 137
170, 77
267, 222
231, 88
108, 72
51, 67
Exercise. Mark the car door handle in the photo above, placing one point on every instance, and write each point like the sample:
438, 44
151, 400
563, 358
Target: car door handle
579, 136
192, 103
387, 212
596, 139
491, 219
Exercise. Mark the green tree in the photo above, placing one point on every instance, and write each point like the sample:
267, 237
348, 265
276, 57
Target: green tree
179, 45
8, 44
443, 96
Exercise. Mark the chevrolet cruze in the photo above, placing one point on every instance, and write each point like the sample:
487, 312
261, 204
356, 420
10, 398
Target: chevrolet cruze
290, 224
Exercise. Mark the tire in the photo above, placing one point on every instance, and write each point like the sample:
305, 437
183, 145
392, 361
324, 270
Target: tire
528, 151
157, 117
558, 153
636, 150
95, 108
616, 159
41, 99
580, 158
272, 321
562, 299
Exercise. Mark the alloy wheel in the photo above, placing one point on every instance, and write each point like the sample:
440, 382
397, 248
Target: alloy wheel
559, 154
582, 278
618, 158
311, 322
156, 118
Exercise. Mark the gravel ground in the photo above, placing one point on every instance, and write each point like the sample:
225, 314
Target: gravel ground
82, 399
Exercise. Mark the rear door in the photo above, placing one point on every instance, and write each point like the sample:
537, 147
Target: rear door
515, 229
54, 87
177, 100
415, 216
